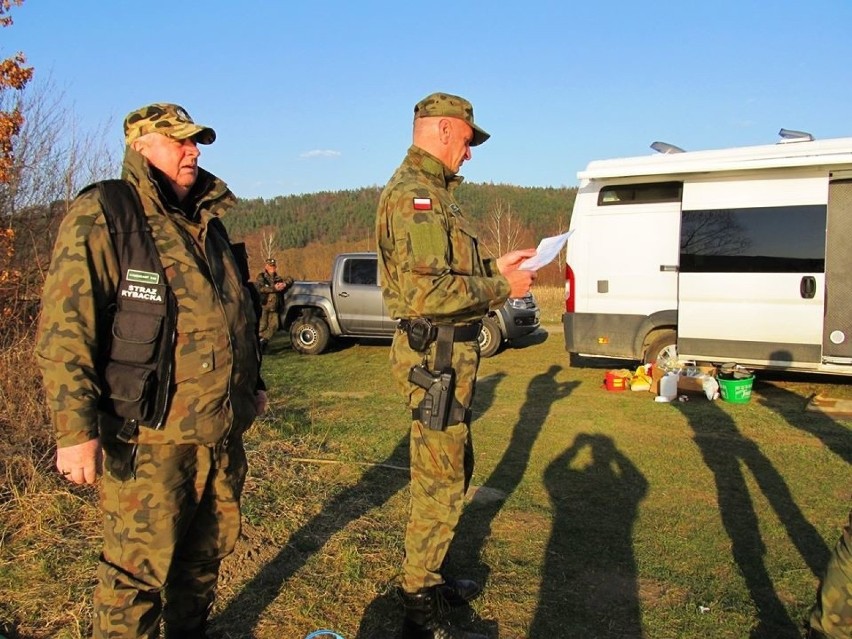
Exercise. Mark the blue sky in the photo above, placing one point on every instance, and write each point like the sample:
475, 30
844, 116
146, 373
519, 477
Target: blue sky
316, 96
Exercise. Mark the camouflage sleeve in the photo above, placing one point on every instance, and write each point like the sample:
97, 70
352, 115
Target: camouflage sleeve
74, 322
263, 285
439, 269
831, 615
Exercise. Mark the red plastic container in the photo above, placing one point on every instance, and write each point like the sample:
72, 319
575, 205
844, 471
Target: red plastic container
615, 381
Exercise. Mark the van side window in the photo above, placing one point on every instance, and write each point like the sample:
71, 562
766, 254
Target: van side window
363, 272
774, 239
640, 193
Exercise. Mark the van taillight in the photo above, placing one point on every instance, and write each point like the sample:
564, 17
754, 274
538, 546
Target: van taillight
570, 294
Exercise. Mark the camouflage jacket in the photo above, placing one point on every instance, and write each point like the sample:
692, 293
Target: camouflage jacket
429, 262
216, 357
265, 285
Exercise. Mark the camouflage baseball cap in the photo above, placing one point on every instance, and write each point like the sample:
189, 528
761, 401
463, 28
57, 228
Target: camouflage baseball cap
271, 261
170, 120
452, 106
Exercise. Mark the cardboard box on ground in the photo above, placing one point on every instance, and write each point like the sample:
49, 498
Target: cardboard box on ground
690, 381
693, 382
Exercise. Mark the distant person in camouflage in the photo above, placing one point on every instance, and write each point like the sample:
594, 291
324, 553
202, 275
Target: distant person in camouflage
436, 283
831, 617
271, 286
171, 489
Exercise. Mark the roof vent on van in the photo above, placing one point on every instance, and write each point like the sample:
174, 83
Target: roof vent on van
665, 147
789, 135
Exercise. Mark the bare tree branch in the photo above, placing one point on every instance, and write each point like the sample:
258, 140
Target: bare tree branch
503, 230
268, 244
53, 159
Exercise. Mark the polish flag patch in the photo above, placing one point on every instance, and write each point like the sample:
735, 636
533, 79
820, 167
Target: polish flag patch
422, 204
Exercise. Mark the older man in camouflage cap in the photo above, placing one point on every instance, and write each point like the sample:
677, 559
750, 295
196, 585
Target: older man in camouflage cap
172, 482
437, 284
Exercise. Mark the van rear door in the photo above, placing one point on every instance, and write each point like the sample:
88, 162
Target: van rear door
751, 284
837, 334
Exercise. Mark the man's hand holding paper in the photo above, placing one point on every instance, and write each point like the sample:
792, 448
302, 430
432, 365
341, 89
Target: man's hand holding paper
519, 280
546, 252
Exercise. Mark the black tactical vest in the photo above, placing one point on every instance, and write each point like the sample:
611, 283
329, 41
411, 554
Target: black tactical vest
138, 360
137, 373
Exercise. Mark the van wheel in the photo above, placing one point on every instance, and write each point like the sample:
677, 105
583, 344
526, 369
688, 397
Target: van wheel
490, 337
309, 335
663, 350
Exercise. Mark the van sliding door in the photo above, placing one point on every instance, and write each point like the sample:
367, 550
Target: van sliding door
752, 268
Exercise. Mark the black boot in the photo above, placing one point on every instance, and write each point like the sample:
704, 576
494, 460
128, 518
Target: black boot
458, 592
424, 617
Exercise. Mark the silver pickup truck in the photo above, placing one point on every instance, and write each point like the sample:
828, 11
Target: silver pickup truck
351, 305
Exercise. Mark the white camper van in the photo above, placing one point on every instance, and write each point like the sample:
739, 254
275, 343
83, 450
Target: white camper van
736, 255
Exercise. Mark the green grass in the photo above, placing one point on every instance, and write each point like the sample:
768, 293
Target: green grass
616, 516
597, 514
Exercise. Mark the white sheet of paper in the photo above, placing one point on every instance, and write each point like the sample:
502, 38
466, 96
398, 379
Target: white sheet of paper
546, 252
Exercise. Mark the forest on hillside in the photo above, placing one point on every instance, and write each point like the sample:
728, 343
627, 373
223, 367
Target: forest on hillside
308, 230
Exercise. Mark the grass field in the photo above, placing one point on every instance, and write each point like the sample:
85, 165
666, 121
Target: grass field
594, 514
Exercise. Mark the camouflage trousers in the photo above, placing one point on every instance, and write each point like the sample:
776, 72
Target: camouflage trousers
268, 325
832, 614
441, 466
171, 515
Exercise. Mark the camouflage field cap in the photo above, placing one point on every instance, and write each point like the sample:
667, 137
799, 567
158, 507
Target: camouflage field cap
169, 119
271, 261
452, 106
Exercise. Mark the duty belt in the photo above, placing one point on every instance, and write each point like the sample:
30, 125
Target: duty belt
466, 333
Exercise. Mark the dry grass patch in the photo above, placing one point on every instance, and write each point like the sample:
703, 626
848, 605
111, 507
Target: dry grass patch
551, 301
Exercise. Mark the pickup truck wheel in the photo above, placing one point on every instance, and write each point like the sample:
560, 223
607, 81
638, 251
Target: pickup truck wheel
490, 337
663, 350
309, 335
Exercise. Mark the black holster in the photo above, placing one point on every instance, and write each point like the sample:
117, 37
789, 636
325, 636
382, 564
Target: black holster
434, 409
439, 407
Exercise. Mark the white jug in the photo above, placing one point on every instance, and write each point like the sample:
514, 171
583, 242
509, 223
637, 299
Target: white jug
668, 386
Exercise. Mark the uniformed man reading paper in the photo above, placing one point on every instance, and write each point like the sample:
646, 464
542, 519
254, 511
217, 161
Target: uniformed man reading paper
439, 287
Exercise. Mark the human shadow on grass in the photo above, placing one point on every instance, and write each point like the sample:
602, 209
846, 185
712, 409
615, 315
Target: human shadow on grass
474, 528
376, 487
589, 585
383, 616
791, 408
727, 453
833, 435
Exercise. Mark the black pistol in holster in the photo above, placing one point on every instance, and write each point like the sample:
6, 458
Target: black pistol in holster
439, 407
434, 409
